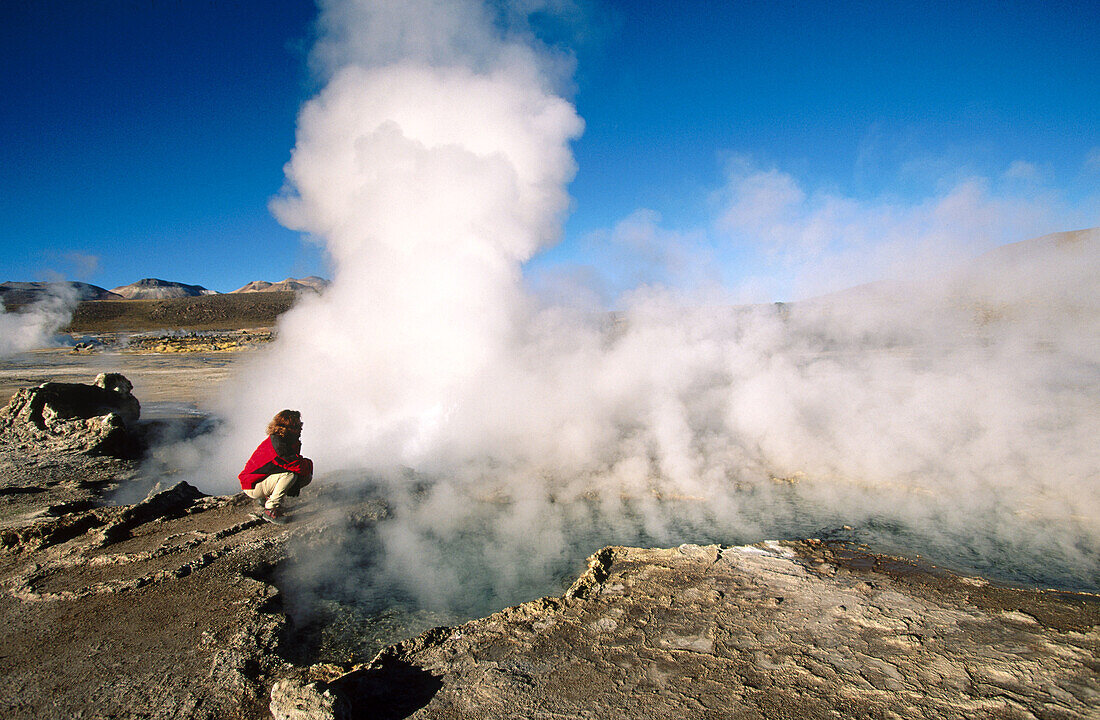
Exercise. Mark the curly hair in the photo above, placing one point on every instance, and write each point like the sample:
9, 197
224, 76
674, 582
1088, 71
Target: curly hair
286, 423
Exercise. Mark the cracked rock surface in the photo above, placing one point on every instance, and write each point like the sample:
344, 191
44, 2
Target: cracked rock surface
157, 609
164, 608
792, 630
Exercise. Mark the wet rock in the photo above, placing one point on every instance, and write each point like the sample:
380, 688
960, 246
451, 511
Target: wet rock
778, 630
71, 417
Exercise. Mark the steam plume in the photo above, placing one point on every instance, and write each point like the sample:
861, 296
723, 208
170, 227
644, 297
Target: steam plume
34, 327
959, 412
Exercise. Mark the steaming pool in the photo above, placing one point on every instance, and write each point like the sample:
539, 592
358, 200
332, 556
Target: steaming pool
401, 554
404, 566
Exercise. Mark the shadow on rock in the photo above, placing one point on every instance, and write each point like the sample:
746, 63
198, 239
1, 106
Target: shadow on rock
391, 690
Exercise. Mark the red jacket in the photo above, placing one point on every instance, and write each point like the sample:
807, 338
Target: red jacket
267, 460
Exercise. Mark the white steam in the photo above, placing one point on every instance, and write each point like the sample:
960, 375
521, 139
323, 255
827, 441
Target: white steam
822, 241
962, 412
431, 174
35, 326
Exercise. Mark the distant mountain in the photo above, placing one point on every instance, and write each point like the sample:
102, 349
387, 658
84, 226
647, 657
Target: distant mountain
1073, 247
1060, 267
312, 283
154, 289
25, 293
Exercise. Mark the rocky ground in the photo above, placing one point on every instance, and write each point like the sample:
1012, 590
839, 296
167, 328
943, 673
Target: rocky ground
229, 311
169, 607
163, 608
778, 630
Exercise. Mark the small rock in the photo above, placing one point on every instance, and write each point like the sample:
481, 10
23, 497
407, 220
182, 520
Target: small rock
293, 699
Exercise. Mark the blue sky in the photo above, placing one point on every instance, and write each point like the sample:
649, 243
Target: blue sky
145, 138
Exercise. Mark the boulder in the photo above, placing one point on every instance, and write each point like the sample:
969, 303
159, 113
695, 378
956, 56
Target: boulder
97, 419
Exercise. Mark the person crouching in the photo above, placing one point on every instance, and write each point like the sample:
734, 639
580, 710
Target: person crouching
277, 468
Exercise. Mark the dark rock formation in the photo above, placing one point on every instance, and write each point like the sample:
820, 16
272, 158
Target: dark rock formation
72, 417
792, 630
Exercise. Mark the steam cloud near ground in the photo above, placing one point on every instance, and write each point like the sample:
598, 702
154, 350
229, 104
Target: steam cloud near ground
36, 326
509, 434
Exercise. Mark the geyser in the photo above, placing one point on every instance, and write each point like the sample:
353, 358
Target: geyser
954, 418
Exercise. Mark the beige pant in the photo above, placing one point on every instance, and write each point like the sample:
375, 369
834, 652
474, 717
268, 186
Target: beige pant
274, 488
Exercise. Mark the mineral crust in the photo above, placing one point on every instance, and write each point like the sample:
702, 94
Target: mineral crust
778, 630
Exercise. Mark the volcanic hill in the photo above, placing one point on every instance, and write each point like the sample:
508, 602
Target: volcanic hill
312, 283
154, 289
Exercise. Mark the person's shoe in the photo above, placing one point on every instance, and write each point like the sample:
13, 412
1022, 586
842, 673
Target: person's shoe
274, 516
